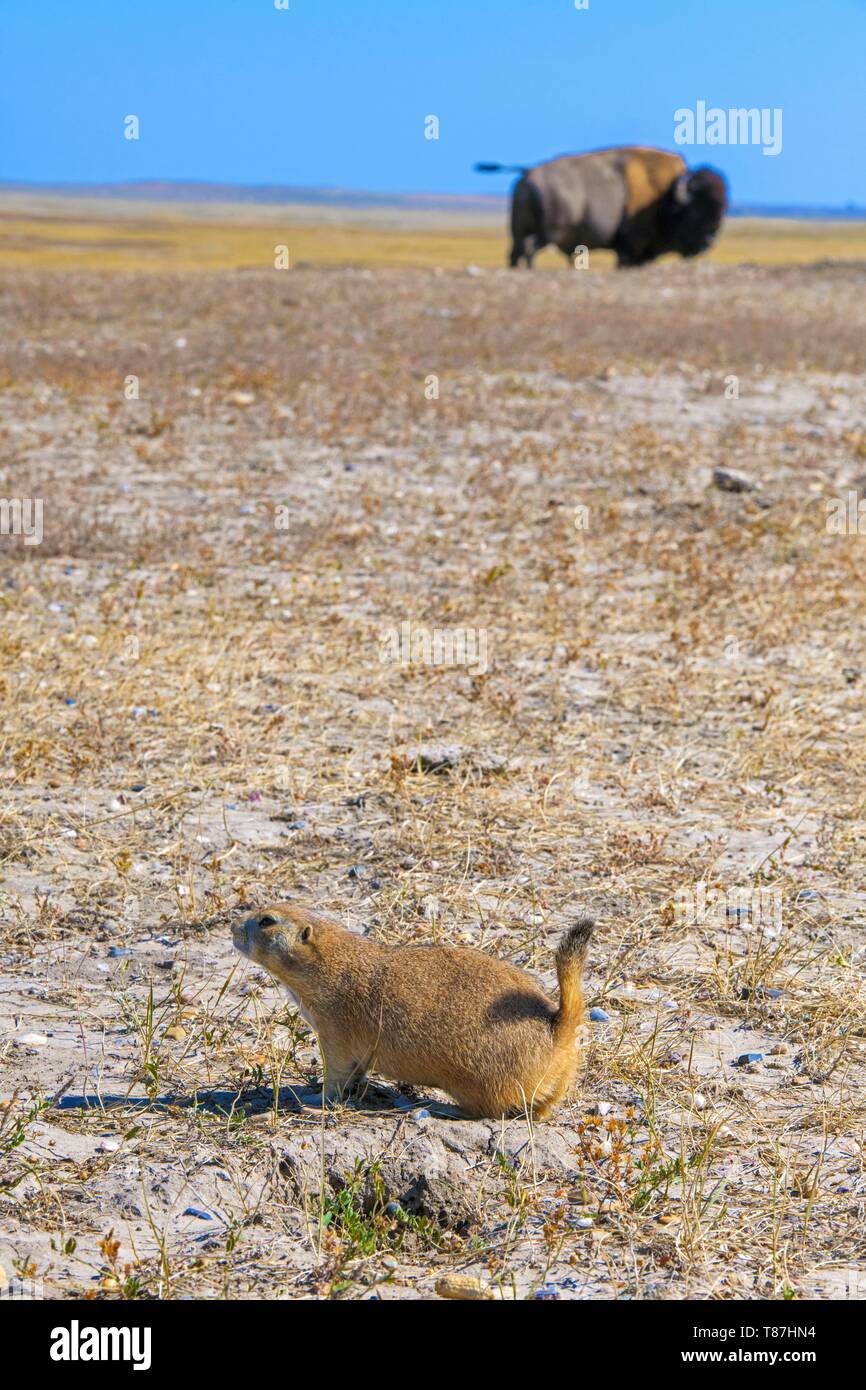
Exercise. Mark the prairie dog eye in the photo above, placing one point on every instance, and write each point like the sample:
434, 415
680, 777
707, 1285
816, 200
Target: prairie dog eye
267, 921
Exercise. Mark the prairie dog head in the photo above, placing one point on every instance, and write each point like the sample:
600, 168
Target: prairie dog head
279, 939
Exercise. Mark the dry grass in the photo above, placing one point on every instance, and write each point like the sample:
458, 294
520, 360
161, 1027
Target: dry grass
65, 234
674, 695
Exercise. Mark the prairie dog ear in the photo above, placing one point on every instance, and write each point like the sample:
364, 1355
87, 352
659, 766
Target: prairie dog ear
304, 935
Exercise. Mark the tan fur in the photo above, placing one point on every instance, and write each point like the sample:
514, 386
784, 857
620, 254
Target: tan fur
452, 1018
648, 174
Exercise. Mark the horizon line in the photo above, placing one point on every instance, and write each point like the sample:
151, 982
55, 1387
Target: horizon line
336, 193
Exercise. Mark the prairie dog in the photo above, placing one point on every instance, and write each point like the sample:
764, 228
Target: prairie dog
449, 1017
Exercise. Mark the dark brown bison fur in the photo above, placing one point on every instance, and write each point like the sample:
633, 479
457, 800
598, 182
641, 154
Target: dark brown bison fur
636, 201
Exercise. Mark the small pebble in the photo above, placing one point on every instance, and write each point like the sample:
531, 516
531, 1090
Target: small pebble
732, 480
599, 1016
108, 1146
761, 992
600, 1107
118, 951
32, 1040
465, 1286
747, 1059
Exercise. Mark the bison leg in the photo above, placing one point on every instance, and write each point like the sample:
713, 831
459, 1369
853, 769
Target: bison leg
631, 251
527, 223
629, 255
526, 248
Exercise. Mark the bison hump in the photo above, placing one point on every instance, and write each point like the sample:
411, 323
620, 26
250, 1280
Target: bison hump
648, 175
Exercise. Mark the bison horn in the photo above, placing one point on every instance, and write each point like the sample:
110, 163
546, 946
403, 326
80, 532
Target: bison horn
681, 189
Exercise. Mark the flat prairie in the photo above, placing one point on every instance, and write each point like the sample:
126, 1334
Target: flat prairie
66, 233
407, 587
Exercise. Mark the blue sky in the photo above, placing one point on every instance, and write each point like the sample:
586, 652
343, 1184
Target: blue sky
335, 92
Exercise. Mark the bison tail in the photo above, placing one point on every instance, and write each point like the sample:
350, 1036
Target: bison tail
501, 168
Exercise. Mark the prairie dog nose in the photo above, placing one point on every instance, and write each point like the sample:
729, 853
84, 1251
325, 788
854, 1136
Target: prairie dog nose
241, 933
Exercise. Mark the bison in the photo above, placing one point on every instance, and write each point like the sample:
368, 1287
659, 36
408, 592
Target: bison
635, 201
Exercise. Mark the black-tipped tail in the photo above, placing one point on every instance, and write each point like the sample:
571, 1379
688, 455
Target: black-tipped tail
576, 940
570, 958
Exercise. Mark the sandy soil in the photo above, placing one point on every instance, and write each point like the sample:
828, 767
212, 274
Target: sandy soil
204, 707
